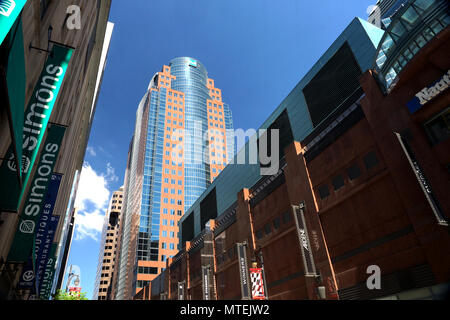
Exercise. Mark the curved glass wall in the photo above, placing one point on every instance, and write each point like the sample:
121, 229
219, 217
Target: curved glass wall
413, 25
191, 78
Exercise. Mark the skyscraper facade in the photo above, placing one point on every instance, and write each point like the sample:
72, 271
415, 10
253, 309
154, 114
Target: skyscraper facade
182, 140
108, 247
384, 10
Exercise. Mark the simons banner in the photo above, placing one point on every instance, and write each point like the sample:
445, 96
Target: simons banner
36, 120
35, 201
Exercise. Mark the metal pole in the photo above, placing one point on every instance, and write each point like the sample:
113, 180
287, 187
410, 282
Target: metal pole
69, 278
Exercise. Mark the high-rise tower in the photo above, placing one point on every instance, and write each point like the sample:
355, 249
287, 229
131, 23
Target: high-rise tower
108, 247
183, 138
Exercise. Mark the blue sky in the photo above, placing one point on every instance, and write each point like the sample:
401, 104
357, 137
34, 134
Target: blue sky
256, 50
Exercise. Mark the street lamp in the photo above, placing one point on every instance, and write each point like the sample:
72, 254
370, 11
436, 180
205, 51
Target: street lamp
69, 279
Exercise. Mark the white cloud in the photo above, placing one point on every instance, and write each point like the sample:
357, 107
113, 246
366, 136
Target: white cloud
111, 173
92, 201
91, 151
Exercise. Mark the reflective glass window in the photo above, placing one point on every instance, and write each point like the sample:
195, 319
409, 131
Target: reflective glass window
423, 4
410, 16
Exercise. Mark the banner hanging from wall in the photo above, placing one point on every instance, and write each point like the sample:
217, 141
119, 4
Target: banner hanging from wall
205, 282
49, 274
9, 11
303, 237
256, 279
12, 92
243, 271
32, 273
35, 201
181, 291
36, 119
423, 181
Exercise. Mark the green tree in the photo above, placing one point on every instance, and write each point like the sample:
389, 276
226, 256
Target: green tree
63, 295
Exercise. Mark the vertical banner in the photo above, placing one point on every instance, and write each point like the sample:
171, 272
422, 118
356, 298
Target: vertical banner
46, 228
423, 181
243, 270
49, 274
303, 237
13, 94
36, 119
9, 11
205, 277
181, 290
34, 203
256, 278
44, 238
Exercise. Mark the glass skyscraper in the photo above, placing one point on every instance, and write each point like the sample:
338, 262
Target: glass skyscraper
183, 138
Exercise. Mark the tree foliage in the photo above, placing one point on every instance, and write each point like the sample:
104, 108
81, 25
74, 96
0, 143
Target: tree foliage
63, 295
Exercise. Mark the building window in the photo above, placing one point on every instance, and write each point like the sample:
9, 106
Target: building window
438, 128
353, 172
286, 217
338, 182
267, 229
323, 191
370, 160
259, 234
276, 223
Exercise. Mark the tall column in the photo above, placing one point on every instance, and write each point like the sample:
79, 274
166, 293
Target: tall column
300, 190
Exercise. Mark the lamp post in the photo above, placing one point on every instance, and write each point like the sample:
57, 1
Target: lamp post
69, 279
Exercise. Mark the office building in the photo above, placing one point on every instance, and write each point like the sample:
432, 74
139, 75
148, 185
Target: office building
362, 185
108, 248
384, 10
180, 145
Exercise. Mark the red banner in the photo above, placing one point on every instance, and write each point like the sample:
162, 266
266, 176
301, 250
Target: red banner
257, 282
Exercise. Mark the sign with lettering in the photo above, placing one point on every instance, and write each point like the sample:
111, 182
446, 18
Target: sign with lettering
36, 119
305, 247
243, 271
429, 93
49, 274
9, 11
423, 181
35, 202
205, 284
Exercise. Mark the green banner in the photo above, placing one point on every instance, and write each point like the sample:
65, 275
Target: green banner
9, 11
33, 206
16, 83
36, 119
49, 274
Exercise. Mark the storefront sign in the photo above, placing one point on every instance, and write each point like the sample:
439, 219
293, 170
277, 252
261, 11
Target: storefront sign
9, 11
35, 201
429, 93
35, 123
